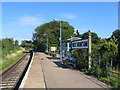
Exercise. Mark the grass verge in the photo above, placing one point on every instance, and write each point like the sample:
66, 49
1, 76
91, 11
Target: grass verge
5, 62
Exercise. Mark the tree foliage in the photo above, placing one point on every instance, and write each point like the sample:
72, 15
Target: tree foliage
27, 44
8, 46
116, 38
52, 29
95, 38
103, 51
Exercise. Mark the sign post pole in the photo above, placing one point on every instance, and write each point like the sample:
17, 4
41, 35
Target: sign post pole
89, 50
47, 43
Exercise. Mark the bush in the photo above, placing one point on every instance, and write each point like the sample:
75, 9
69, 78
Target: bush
102, 54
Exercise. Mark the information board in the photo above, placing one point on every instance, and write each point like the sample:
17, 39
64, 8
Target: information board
53, 48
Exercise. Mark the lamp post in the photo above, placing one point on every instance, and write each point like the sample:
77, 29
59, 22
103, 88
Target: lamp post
60, 38
46, 42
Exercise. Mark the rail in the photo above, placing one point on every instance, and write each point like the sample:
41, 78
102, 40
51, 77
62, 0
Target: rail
12, 77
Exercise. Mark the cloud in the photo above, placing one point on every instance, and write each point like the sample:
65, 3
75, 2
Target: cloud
68, 15
27, 21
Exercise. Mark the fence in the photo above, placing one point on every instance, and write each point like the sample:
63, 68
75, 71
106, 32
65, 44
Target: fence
101, 67
115, 78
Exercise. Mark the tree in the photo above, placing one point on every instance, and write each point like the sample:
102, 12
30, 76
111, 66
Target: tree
52, 29
116, 34
16, 43
0, 43
116, 38
27, 44
9, 45
108, 51
95, 38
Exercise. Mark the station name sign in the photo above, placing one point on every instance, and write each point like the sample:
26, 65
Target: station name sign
81, 44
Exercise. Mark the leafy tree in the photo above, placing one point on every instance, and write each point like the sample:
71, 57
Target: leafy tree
109, 47
52, 29
82, 58
0, 43
102, 52
116, 38
95, 38
27, 44
108, 51
8, 46
16, 43
116, 34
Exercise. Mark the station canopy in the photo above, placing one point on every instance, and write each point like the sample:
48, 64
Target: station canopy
72, 39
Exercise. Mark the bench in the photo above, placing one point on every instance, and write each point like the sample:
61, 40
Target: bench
49, 53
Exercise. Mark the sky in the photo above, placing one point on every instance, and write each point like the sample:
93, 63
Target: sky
19, 19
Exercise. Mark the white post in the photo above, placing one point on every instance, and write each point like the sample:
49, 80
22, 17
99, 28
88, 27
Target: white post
89, 50
68, 47
68, 50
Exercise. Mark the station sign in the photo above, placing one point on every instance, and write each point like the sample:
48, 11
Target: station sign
77, 43
81, 44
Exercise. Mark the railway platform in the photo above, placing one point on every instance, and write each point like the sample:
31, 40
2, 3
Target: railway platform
34, 75
47, 72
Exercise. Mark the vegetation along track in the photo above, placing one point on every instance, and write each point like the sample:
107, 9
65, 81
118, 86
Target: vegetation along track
12, 77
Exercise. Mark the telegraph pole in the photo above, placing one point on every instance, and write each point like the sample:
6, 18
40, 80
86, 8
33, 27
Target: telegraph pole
60, 38
60, 41
47, 43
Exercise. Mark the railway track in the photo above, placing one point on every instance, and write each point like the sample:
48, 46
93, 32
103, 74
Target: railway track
11, 78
